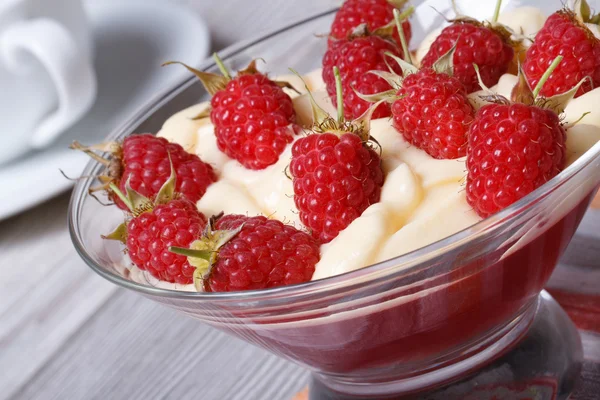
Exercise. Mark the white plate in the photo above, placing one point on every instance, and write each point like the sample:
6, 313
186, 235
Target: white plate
132, 39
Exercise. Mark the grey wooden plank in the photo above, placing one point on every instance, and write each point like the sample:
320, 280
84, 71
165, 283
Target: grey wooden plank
136, 349
64, 340
45, 293
588, 388
590, 226
132, 348
583, 251
591, 349
575, 279
35, 250
579, 268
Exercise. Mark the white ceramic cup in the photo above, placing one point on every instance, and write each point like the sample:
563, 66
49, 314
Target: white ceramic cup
47, 80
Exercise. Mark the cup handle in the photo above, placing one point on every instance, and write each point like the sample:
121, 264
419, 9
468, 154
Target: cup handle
69, 68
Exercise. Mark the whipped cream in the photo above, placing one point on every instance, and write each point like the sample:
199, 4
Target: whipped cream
418, 192
526, 20
582, 133
422, 200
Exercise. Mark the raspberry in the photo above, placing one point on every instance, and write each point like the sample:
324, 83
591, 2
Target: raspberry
513, 149
476, 44
375, 13
355, 57
252, 118
149, 236
433, 113
266, 253
563, 35
335, 179
145, 165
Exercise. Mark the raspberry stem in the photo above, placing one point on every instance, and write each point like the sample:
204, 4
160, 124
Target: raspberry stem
211, 82
398, 19
399, 4
121, 196
221, 66
340, 95
78, 146
497, 11
319, 115
203, 254
544, 78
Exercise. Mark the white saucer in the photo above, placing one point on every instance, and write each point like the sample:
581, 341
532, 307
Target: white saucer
132, 39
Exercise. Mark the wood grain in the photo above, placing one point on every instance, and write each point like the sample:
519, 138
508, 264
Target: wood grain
45, 291
134, 349
65, 333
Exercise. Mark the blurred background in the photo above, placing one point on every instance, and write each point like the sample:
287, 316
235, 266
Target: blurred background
76, 69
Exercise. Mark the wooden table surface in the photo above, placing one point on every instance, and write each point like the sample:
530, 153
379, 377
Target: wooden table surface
65, 333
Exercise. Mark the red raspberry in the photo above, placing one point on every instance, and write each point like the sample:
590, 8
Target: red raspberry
563, 35
149, 236
374, 13
252, 118
266, 253
513, 149
335, 179
434, 113
476, 44
355, 57
145, 165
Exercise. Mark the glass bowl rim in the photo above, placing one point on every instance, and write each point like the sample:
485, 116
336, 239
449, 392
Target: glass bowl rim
379, 270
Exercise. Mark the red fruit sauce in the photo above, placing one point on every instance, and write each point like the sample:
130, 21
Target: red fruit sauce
478, 299
432, 324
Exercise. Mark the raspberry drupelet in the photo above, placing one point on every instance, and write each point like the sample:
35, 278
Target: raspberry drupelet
374, 13
237, 252
266, 253
171, 240
488, 45
433, 113
143, 162
515, 146
513, 150
355, 56
430, 107
564, 33
336, 177
153, 225
253, 118
336, 173
149, 236
146, 162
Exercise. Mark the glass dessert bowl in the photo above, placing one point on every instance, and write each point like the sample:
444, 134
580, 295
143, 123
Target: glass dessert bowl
410, 323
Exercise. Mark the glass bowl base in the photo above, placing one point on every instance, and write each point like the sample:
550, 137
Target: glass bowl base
539, 358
